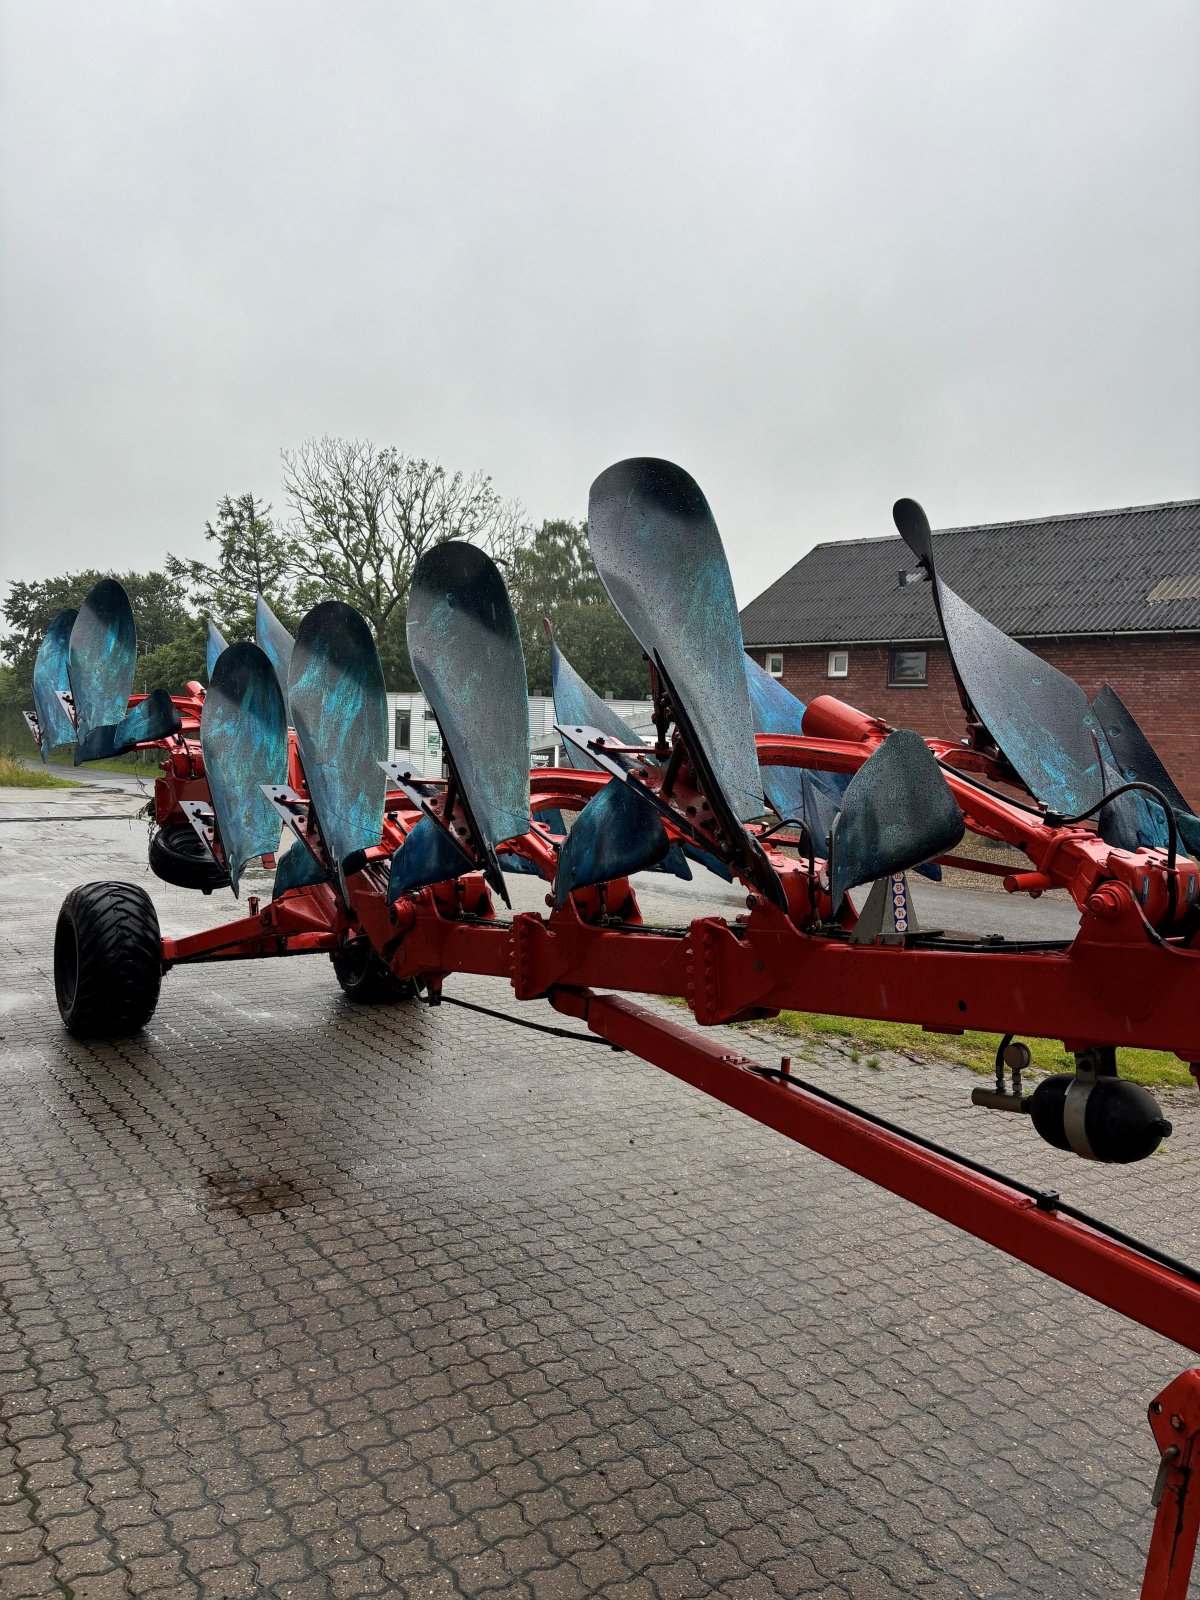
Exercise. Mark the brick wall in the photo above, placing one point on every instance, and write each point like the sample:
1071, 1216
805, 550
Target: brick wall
1157, 677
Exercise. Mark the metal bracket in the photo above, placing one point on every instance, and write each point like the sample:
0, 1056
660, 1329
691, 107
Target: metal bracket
1089, 1066
203, 821
1016, 1056
421, 791
733, 843
604, 750
530, 935
619, 761
888, 916
294, 812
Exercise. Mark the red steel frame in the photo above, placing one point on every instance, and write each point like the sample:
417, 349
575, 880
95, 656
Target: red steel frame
1118, 983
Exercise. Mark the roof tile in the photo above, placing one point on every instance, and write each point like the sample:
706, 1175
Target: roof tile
1089, 573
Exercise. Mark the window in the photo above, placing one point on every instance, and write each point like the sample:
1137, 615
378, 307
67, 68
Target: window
403, 737
907, 669
839, 664
774, 663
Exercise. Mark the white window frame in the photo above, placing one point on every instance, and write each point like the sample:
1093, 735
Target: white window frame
768, 658
831, 667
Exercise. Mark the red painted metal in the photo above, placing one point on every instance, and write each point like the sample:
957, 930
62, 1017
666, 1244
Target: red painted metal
1092, 991
1071, 857
298, 924
1175, 1423
1114, 985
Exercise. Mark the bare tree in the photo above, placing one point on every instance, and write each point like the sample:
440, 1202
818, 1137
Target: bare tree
364, 514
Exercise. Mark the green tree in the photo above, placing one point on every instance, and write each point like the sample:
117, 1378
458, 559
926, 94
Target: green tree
553, 576
179, 661
252, 557
159, 608
364, 514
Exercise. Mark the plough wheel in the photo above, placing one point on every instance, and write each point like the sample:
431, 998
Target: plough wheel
365, 979
107, 960
177, 856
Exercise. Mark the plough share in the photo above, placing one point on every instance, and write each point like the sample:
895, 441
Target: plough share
396, 875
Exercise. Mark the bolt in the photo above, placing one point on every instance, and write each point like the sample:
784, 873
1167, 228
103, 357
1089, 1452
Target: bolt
1105, 903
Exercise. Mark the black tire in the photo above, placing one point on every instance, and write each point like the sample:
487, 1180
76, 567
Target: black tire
177, 856
107, 960
365, 979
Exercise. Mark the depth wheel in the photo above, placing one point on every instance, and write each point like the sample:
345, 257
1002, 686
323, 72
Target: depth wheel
365, 979
107, 960
177, 856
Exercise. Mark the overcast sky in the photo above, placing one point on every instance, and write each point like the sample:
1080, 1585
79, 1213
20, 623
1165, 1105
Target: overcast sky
821, 254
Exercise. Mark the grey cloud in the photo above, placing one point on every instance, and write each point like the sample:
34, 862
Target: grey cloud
821, 254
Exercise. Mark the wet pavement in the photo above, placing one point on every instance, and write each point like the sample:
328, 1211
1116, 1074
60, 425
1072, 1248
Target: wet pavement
303, 1299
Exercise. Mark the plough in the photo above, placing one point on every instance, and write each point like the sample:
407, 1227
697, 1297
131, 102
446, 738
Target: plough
396, 875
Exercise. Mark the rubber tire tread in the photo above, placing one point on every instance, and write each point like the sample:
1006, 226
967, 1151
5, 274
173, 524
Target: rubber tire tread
370, 984
176, 856
119, 967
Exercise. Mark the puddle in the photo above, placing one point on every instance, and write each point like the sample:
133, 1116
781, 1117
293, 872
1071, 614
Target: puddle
248, 1195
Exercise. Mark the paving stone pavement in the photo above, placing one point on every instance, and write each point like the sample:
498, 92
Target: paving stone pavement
306, 1300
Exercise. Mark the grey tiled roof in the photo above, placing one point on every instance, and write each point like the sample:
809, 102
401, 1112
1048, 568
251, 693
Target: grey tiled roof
1087, 573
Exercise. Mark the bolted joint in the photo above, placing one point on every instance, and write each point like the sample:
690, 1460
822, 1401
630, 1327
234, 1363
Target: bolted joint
1106, 903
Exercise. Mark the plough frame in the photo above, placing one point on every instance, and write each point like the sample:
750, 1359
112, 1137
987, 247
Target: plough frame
1128, 978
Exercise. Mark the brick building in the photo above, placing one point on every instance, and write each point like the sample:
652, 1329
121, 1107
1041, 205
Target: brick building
1105, 596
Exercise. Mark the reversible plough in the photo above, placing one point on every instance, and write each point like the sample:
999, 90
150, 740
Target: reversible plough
395, 875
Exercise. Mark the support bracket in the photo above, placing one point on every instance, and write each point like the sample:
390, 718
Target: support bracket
1175, 1424
203, 821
